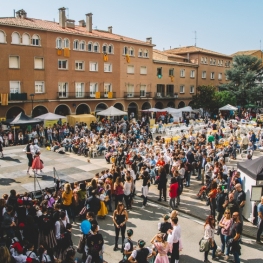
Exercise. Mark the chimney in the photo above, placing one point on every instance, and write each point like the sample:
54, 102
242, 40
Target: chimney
62, 17
21, 13
89, 22
110, 29
149, 40
82, 23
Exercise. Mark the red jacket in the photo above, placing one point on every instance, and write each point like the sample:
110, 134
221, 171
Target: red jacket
173, 190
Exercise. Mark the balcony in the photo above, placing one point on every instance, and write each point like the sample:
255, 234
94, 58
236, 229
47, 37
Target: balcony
137, 95
165, 96
17, 96
86, 95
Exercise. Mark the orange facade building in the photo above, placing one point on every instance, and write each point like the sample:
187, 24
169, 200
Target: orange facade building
73, 69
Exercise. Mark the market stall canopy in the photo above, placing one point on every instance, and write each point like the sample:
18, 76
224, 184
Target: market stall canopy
22, 119
253, 168
50, 116
112, 111
228, 107
185, 109
86, 118
154, 110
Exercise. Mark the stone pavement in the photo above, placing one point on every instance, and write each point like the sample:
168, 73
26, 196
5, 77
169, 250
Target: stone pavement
193, 206
70, 167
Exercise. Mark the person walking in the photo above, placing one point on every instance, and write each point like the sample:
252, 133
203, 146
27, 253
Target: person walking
37, 163
260, 220
29, 154
162, 184
67, 200
120, 217
173, 192
118, 188
145, 187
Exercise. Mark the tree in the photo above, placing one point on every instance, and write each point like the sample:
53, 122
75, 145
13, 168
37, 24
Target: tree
244, 77
223, 98
204, 98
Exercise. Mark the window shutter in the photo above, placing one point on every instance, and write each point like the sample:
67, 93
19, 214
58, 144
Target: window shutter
38, 63
2, 37
13, 62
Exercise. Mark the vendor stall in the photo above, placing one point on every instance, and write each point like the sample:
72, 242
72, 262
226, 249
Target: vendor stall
86, 118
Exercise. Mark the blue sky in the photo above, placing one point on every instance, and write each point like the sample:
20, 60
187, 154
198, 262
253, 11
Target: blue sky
224, 26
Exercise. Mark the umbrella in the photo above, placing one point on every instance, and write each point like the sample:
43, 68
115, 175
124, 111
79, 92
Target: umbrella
50, 116
112, 111
251, 106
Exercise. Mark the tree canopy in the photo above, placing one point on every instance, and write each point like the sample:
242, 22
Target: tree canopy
244, 77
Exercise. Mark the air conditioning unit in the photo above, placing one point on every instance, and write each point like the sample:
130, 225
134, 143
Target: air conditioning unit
129, 95
159, 94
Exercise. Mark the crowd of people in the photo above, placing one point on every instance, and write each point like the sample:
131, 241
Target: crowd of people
40, 230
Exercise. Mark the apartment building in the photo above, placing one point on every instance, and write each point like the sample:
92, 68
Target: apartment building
211, 64
69, 68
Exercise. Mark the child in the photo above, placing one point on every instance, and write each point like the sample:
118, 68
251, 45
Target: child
30, 252
103, 209
108, 194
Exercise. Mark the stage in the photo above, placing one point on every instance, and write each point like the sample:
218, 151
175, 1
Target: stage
70, 167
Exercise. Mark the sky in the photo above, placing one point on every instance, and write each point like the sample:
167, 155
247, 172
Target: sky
224, 26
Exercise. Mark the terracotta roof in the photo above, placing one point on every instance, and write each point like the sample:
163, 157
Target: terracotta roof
55, 27
245, 52
194, 49
163, 57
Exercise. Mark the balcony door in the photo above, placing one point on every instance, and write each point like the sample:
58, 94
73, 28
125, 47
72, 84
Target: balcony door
63, 89
160, 90
170, 90
79, 90
93, 89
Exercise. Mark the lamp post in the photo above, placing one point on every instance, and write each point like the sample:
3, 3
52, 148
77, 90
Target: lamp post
32, 101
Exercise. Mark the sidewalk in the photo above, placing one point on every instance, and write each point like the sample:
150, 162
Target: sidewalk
195, 207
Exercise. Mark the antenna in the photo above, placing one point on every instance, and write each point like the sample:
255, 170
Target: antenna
195, 37
67, 12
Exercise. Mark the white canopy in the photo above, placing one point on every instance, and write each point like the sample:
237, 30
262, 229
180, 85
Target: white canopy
185, 109
228, 107
112, 111
50, 116
154, 110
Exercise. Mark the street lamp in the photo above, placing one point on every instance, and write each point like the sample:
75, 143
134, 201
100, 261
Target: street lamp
32, 100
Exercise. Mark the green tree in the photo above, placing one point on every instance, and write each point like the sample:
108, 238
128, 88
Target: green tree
223, 98
244, 76
204, 98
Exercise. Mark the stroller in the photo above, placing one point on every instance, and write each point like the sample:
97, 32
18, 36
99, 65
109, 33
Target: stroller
204, 190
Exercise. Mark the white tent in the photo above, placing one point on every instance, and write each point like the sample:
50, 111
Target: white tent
228, 107
154, 110
112, 111
50, 116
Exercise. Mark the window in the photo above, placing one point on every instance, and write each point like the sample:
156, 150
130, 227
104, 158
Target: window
104, 48
63, 89
125, 51
140, 53
39, 87
130, 91
107, 67
143, 70
221, 62
159, 72
39, 63
79, 89
36, 40
93, 89
66, 43
214, 61
218, 63
2, 37
170, 90
211, 61
110, 49
146, 53
14, 62
59, 43
202, 60
26, 39
76, 45
182, 89
171, 72
219, 76
96, 47
182, 73
203, 74
130, 69
14, 86
192, 74
90, 46
205, 60
93, 66
15, 38
192, 89
107, 89
212, 75
82, 45
131, 51
62, 64
79, 65
143, 91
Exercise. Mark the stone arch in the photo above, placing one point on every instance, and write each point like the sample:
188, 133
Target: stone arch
190, 103
13, 112
100, 107
26, 39
133, 108
119, 106
159, 105
171, 104
146, 105
16, 38
62, 109
39, 110
83, 109
181, 104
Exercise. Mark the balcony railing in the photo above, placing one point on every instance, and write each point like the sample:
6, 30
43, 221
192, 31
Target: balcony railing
137, 95
162, 95
86, 95
18, 96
